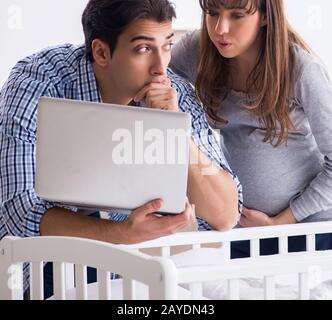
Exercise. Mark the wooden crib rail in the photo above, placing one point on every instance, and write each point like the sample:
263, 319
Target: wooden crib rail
266, 268
158, 273
238, 234
233, 270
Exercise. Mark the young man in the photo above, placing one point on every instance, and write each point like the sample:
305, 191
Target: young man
124, 61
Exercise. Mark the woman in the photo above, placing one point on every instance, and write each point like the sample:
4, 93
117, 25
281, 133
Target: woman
272, 101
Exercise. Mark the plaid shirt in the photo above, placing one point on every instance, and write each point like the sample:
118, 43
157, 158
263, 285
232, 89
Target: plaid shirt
62, 72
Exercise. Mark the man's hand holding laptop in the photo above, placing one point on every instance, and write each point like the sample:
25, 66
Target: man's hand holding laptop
143, 224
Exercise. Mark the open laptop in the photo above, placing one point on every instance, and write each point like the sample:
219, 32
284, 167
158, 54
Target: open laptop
110, 157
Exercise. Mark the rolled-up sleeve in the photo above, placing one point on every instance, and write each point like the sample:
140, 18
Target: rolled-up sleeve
203, 136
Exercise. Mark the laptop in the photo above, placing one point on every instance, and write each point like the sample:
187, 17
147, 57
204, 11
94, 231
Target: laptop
111, 157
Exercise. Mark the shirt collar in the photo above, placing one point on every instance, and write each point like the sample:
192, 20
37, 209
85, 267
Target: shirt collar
87, 87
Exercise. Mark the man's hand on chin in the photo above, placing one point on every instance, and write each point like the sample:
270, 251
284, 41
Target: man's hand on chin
159, 94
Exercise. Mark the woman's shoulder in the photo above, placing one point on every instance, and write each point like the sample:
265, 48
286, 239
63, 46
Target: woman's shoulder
311, 81
185, 55
306, 63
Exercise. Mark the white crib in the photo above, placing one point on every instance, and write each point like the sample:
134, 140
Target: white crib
164, 276
157, 273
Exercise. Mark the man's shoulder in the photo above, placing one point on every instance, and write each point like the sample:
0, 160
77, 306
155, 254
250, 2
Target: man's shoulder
57, 62
187, 98
182, 85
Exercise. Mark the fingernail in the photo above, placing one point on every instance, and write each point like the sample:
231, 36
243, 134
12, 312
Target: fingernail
158, 203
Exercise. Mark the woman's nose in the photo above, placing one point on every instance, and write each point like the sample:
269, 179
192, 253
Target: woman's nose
222, 26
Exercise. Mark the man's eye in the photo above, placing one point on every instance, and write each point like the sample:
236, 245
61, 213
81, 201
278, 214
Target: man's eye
143, 49
169, 46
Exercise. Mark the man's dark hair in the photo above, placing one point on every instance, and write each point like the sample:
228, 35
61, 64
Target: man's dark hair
107, 19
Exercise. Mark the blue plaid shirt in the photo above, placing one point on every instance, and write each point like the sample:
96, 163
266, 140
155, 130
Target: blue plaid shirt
62, 72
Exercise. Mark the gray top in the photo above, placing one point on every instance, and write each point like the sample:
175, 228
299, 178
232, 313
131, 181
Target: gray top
298, 175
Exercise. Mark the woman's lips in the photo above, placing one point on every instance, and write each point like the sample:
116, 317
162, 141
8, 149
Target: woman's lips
225, 45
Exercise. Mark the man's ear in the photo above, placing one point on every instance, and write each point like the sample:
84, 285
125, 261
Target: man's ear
101, 52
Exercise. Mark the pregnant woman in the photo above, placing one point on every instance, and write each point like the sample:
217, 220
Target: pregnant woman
271, 99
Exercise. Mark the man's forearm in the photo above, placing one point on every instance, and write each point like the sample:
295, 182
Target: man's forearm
61, 222
212, 190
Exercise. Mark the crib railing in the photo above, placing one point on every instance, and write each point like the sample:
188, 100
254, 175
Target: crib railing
255, 266
136, 266
157, 273
254, 235
266, 268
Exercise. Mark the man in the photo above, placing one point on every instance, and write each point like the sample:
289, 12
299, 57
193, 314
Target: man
124, 61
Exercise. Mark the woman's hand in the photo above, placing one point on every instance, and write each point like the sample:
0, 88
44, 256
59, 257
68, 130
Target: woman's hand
255, 218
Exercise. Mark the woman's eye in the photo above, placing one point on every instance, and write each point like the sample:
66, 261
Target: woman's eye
237, 16
212, 13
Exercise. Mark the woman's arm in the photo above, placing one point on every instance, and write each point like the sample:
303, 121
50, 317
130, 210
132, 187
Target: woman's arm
314, 92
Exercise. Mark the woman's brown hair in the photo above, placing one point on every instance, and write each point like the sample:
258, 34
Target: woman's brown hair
272, 79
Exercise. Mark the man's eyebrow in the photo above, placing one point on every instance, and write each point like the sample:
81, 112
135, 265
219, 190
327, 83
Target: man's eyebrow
146, 38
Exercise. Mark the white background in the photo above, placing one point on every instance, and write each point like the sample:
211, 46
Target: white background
27, 26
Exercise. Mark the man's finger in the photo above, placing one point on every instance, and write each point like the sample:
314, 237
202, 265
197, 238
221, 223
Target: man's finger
181, 220
149, 207
140, 96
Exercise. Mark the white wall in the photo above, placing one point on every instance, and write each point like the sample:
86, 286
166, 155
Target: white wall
29, 25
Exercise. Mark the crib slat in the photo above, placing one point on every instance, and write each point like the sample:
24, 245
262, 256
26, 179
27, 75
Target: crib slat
254, 248
283, 245
304, 291
311, 243
36, 281
165, 251
233, 289
196, 290
69, 276
226, 250
129, 289
81, 282
59, 280
269, 288
104, 285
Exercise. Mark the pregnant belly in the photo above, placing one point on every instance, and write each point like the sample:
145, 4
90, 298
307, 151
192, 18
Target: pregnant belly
271, 177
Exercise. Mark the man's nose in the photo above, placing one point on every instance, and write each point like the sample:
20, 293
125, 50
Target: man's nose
159, 66
222, 26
